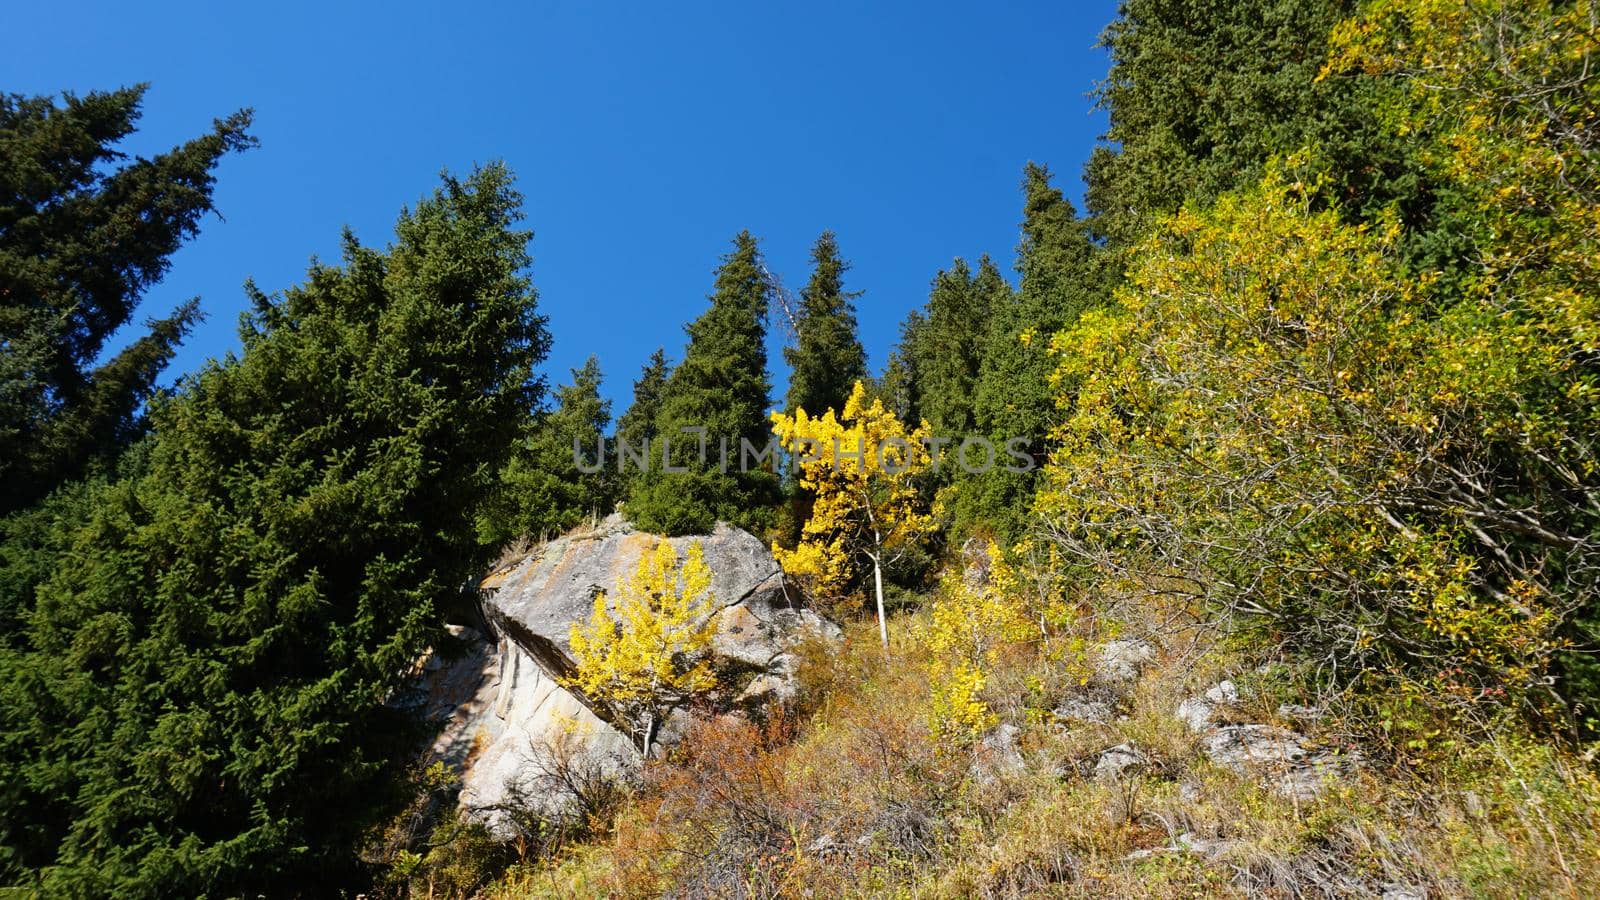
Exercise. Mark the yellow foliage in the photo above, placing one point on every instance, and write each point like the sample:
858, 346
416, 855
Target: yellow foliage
862, 468
1268, 407
965, 629
971, 623
959, 713
653, 652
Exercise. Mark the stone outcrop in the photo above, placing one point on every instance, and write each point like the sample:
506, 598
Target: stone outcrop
1115, 762
1280, 756
517, 736
1277, 755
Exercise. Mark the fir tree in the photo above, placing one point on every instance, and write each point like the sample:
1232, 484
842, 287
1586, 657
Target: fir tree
80, 243
827, 359
720, 393
199, 705
636, 429
898, 387
949, 346
561, 473
1061, 278
1202, 94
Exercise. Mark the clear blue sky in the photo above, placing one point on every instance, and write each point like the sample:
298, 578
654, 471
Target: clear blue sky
644, 136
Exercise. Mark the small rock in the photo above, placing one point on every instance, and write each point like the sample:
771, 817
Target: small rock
1237, 746
1122, 661
999, 753
1223, 692
764, 688
1188, 842
1203, 846
1401, 892
1116, 761
1196, 713
1083, 710
1200, 712
1295, 712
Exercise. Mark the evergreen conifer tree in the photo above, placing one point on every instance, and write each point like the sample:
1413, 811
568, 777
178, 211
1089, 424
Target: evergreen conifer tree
1200, 95
199, 705
561, 474
949, 346
80, 243
827, 359
1061, 278
637, 426
898, 387
715, 402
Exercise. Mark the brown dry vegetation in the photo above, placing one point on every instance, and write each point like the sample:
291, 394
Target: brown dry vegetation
851, 796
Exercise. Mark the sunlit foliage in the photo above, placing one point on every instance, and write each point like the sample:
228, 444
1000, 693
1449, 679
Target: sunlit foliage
651, 654
862, 466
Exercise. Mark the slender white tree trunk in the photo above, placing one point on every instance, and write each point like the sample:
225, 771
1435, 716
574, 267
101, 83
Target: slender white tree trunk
877, 583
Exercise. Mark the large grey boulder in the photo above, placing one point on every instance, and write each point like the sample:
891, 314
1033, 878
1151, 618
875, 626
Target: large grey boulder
511, 729
536, 599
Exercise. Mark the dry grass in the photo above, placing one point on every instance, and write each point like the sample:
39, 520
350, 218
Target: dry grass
852, 797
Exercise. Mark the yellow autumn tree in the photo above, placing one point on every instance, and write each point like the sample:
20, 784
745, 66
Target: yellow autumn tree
652, 653
862, 468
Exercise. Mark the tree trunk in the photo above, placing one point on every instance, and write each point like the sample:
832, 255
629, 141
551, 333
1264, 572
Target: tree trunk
877, 580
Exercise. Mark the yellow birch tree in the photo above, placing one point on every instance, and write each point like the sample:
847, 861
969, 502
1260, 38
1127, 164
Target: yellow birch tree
653, 653
862, 468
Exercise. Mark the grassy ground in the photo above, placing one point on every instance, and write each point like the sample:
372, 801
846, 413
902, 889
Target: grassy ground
853, 796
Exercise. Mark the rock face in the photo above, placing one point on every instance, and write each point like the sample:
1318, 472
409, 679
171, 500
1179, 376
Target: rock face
536, 599
518, 737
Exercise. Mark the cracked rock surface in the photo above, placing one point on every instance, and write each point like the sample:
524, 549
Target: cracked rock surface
505, 719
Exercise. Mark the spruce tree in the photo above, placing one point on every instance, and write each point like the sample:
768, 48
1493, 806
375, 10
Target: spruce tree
200, 705
827, 359
636, 429
899, 387
949, 346
560, 474
721, 393
1202, 94
1061, 277
81, 240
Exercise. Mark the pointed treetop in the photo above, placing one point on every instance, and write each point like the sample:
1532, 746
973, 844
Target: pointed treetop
827, 359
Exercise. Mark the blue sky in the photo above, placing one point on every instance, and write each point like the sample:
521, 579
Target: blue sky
644, 136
